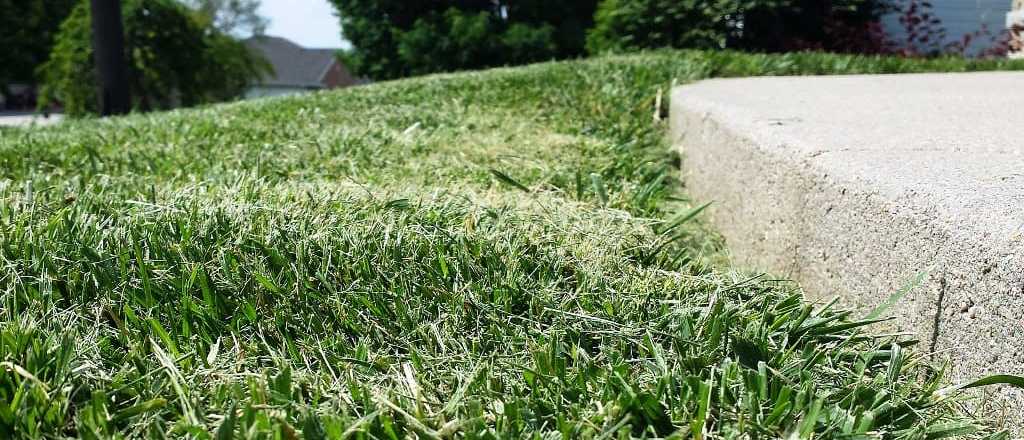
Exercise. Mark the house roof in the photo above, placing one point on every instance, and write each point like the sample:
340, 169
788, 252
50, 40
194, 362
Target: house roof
294, 65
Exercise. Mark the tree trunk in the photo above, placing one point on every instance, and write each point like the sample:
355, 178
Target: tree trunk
108, 48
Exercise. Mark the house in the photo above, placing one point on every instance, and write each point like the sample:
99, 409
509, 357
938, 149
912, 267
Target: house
984, 20
297, 69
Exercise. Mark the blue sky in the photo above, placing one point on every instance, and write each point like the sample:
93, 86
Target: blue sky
310, 23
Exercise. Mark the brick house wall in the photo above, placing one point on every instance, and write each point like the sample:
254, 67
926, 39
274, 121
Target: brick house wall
338, 76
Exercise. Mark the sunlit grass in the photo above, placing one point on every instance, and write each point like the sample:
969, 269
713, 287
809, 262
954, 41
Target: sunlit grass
495, 254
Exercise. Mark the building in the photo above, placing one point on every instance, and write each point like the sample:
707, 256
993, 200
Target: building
297, 69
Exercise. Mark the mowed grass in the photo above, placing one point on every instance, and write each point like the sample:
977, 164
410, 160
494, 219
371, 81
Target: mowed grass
502, 254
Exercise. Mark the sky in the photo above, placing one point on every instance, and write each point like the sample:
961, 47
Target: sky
310, 23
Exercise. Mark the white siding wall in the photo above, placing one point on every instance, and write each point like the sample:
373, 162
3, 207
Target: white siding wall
264, 91
961, 17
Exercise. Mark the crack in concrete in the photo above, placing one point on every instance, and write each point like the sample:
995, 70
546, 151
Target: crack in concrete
937, 321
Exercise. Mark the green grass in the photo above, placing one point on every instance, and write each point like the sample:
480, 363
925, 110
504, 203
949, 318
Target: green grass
494, 254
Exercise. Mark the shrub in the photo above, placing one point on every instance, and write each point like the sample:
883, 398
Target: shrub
923, 34
448, 41
173, 60
393, 38
759, 25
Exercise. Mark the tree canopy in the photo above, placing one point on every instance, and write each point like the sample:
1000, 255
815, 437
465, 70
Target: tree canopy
175, 59
233, 17
757, 25
28, 29
395, 38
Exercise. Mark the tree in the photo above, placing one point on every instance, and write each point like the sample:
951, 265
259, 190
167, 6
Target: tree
759, 25
108, 47
622, 25
395, 38
232, 17
28, 29
829, 25
174, 59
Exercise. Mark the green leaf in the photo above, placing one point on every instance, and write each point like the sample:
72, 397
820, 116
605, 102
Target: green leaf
164, 336
144, 407
685, 217
899, 294
312, 428
997, 379
266, 282
599, 188
226, 430
504, 178
947, 430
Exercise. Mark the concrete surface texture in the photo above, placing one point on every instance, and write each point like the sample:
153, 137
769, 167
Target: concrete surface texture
853, 185
16, 119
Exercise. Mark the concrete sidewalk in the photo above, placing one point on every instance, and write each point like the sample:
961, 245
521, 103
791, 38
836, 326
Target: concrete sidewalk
853, 185
22, 119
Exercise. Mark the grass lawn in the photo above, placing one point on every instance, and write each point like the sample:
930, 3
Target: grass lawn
494, 254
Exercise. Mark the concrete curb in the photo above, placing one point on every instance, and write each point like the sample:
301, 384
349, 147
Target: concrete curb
853, 185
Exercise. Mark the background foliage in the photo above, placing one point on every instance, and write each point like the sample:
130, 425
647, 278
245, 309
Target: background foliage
759, 25
396, 38
233, 17
27, 30
175, 57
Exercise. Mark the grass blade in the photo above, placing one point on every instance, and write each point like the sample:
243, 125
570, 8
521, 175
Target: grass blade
504, 178
898, 295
